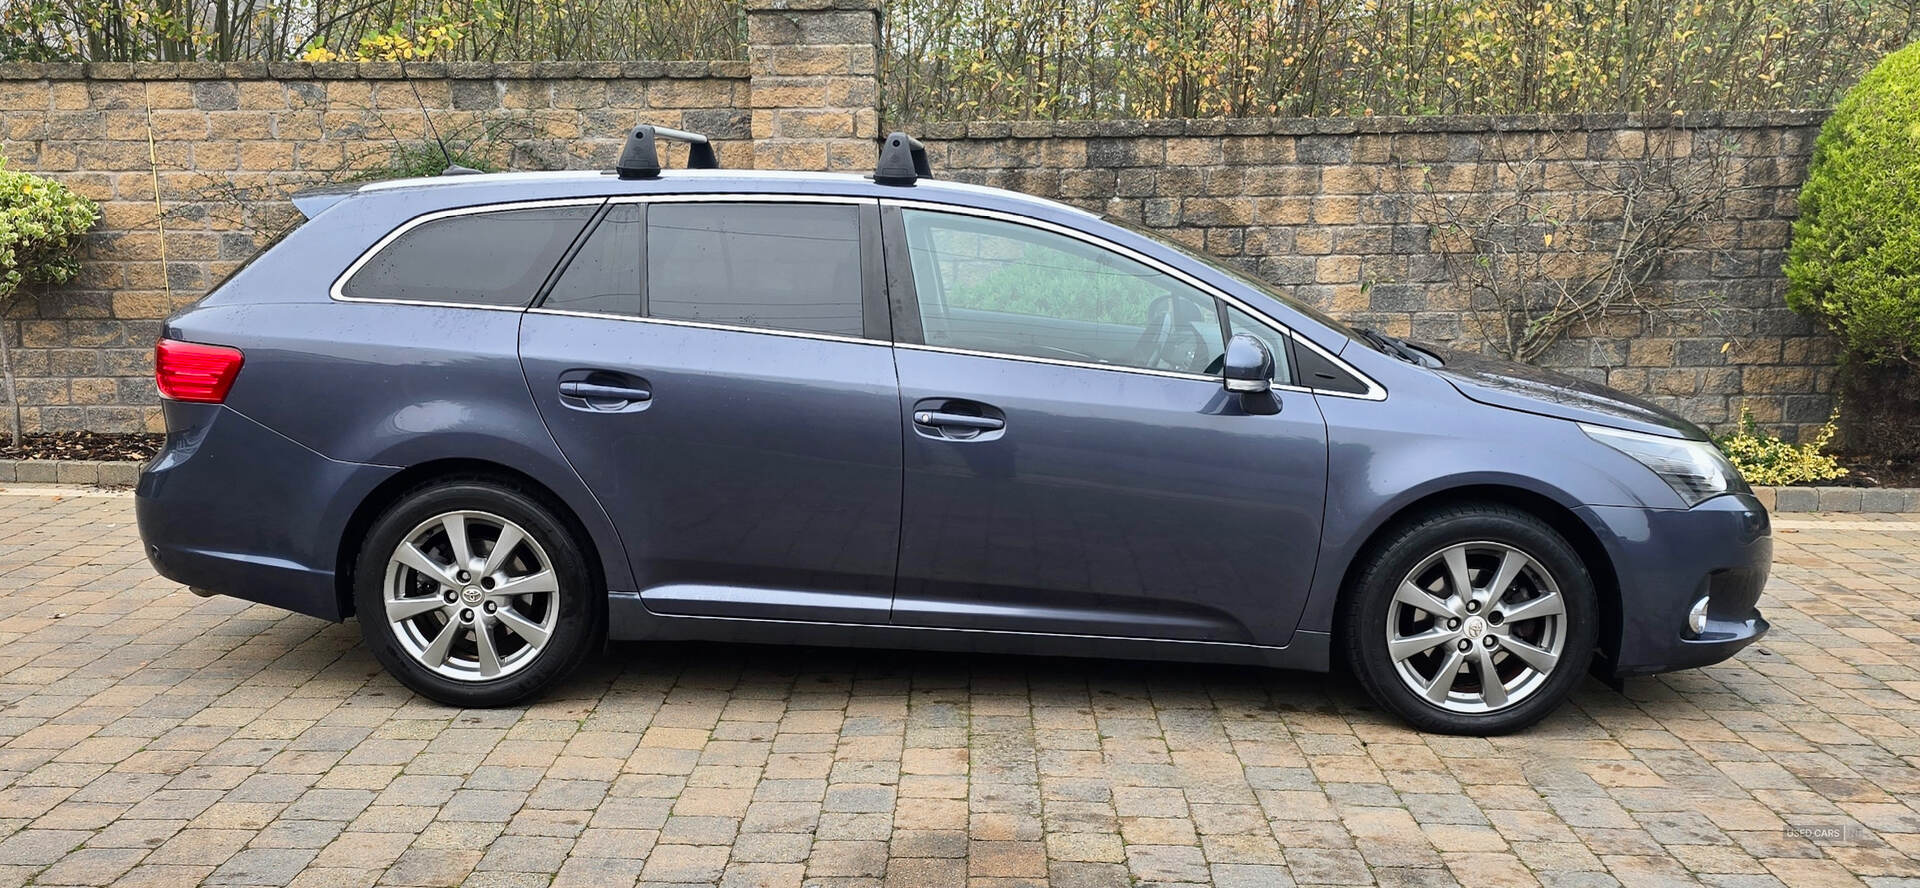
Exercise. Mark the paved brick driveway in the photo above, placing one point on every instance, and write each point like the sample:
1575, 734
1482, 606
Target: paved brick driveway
148, 737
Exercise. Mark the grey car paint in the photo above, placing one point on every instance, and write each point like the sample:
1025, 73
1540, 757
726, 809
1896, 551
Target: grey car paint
1116, 513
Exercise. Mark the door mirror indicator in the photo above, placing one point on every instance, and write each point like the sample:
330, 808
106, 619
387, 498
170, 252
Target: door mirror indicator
1248, 366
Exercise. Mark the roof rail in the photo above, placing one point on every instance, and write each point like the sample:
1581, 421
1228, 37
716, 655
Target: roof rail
903, 160
641, 160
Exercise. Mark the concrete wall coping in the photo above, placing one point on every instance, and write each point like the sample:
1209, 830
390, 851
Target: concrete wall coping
812, 5
114, 71
1309, 126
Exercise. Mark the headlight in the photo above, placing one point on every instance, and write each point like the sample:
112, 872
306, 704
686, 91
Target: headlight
1694, 469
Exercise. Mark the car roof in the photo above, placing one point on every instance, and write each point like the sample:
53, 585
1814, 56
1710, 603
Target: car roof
434, 193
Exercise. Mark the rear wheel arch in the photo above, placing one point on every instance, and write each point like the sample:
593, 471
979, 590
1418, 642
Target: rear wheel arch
1560, 518
406, 481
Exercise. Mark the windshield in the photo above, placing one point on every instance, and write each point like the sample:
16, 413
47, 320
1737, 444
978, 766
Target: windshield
1242, 277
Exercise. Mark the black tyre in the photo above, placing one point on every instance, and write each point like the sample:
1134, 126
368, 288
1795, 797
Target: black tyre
1473, 619
475, 594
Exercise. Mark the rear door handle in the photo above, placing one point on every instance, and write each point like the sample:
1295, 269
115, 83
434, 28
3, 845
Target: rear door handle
598, 392
939, 419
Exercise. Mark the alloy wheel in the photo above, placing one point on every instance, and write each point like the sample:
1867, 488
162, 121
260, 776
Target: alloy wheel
471, 595
1476, 627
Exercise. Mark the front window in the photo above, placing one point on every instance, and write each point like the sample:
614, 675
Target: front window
1250, 281
991, 286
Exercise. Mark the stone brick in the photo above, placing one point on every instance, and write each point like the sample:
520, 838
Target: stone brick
216, 95
1192, 152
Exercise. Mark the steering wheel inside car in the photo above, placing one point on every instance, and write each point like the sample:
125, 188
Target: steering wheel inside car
1156, 333
1170, 342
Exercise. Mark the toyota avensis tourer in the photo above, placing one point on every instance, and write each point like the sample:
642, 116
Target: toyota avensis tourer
502, 418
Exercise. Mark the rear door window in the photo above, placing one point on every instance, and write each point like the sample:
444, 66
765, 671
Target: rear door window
490, 258
769, 265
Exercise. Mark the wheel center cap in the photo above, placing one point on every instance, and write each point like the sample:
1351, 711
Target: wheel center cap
1475, 627
471, 594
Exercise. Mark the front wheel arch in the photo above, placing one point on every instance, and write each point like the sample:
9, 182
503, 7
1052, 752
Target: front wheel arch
1606, 582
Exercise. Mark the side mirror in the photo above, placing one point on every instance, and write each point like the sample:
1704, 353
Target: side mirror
1247, 368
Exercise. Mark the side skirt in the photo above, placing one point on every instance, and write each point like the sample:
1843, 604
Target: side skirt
629, 620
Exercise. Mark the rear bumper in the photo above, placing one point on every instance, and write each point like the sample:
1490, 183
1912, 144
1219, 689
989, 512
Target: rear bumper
1665, 561
231, 507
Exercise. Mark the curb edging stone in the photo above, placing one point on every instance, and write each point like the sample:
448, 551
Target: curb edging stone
1839, 499
96, 472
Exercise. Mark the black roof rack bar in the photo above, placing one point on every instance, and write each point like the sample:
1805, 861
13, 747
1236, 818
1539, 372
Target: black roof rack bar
903, 160
640, 159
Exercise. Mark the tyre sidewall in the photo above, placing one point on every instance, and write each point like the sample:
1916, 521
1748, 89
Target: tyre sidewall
1373, 598
574, 634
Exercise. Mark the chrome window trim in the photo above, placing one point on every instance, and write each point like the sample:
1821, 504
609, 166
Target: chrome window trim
338, 290
1374, 392
708, 325
1086, 365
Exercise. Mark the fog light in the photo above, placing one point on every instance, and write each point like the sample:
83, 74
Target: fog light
1697, 618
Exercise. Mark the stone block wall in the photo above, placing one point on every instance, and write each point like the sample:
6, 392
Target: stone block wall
1336, 213
225, 144
816, 86
1340, 214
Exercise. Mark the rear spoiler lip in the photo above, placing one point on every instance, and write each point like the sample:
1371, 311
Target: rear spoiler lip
314, 201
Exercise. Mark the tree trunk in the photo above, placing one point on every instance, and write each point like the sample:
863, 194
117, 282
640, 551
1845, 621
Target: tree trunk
6, 370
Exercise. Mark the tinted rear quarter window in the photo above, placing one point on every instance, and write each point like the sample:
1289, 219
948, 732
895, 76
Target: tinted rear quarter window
603, 277
495, 257
779, 266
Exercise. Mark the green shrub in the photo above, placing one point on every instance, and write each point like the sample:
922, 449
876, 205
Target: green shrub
1855, 259
1765, 459
41, 222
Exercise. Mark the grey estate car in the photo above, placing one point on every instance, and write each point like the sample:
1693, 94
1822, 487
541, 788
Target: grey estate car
501, 418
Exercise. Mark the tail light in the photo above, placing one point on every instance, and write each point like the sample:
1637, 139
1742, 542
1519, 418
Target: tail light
190, 371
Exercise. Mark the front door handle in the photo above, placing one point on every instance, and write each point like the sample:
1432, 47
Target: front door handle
940, 419
595, 391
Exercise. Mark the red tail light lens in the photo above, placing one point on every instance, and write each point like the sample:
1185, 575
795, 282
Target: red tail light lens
190, 371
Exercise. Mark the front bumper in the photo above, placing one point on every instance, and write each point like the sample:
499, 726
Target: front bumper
231, 507
1665, 560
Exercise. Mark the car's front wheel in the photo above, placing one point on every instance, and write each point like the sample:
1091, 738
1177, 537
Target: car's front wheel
474, 594
1471, 620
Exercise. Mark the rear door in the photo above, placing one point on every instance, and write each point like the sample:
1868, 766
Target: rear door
718, 372
1073, 464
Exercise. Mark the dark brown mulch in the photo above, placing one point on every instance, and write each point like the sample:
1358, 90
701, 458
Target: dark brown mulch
1869, 472
81, 445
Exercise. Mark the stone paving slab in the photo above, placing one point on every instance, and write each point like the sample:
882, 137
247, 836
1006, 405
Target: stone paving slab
151, 738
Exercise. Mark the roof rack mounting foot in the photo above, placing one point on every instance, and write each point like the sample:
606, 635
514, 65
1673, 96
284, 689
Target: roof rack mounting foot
903, 160
640, 158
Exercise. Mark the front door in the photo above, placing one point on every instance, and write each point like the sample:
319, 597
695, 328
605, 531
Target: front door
1073, 464
714, 372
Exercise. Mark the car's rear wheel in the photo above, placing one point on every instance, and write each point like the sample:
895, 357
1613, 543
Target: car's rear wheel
475, 594
1471, 620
